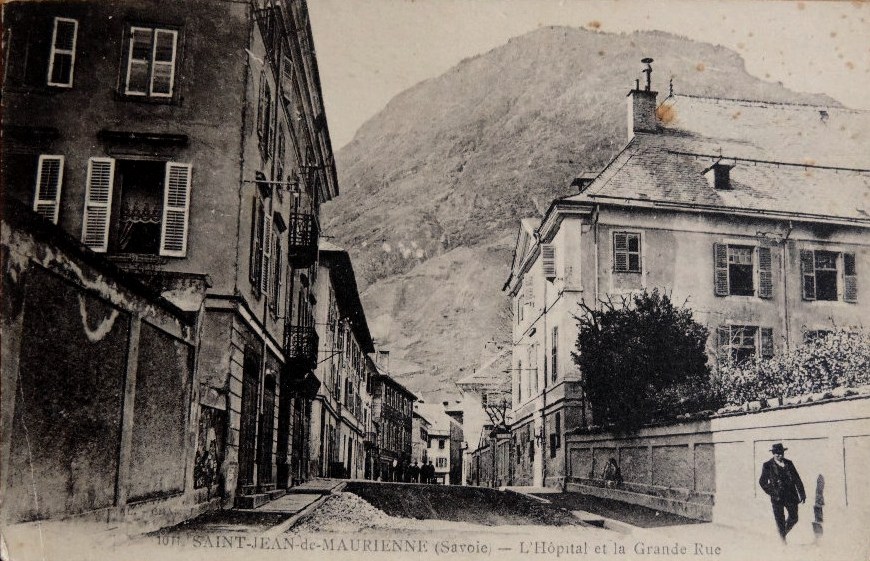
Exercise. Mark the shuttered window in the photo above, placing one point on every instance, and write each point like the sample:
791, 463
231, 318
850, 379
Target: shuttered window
554, 353
49, 179
176, 210
151, 60
765, 273
256, 244
266, 274
264, 116
626, 252
850, 278
98, 203
734, 270
548, 260
62, 57
820, 273
276, 280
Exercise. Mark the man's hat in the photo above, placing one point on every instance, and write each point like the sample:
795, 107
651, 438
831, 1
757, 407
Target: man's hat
778, 448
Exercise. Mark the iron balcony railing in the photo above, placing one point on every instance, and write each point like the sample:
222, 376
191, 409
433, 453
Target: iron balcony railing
301, 345
303, 232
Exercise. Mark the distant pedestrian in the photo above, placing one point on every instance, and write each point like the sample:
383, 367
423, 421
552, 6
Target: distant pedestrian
429, 476
414, 472
781, 481
612, 474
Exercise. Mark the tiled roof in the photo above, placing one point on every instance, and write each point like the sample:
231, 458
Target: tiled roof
786, 158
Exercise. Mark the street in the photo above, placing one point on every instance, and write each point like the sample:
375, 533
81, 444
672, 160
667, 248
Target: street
343, 525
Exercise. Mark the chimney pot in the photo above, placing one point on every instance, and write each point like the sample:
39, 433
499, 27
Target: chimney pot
642, 105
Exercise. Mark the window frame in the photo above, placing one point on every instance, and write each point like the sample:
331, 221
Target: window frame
627, 252
762, 342
845, 275
151, 62
53, 51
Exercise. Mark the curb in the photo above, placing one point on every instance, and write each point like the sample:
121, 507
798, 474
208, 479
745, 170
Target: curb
296, 518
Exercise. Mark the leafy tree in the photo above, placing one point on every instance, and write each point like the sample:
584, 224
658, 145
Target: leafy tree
837, 358
642, 358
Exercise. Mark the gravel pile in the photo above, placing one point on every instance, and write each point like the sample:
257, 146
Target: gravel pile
346, 512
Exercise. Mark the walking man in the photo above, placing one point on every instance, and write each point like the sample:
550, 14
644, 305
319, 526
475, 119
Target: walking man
781, 481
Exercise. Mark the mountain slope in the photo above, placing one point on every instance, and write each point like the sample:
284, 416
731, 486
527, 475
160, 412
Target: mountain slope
434, 185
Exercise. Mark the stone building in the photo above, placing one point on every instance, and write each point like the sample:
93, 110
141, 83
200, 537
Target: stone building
341, 416
392, 410
753, 212
186, 143
419, 439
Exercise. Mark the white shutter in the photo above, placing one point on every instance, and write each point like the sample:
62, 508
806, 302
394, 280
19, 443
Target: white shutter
267, 252
176, 210
98, 203
49, 178
548, 257
163, 62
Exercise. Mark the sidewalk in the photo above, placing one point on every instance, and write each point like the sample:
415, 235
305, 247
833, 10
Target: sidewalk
646, 529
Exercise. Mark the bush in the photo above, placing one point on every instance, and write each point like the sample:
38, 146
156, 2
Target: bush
642, 359
840, 358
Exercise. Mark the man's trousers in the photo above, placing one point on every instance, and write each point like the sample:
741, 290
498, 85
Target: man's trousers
783, 524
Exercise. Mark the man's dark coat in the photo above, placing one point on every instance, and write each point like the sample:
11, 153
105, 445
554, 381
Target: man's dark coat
783, 484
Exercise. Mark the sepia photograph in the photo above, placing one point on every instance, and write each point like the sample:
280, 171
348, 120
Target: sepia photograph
418, 279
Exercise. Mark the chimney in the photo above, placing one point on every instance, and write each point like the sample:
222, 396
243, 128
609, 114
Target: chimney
642, 105
383, 359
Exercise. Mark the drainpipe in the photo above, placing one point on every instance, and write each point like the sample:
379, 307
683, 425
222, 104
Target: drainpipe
595, 215
784, 268
544, 397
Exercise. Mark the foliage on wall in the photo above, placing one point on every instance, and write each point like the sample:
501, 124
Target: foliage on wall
828, 360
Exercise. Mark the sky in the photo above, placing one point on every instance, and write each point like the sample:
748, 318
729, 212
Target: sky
370, 50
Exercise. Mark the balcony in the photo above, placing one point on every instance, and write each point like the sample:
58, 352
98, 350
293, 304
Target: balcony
370, 439
301, 346
302, 234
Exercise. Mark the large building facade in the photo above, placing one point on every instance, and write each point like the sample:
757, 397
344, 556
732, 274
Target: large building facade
392, 408
341, 415
764, 238
186, 143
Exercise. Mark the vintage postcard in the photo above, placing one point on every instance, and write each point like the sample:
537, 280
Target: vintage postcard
418, 279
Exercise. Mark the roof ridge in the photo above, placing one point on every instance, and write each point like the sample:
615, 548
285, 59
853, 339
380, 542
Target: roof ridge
769, 102
767, 162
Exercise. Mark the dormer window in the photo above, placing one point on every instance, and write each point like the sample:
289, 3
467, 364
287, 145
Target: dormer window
719, 176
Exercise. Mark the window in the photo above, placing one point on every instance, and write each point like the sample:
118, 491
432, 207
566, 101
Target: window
279, 158
821, 273
554, 352
62, 57
441, 462
548, 260
740, 281
264, 116
626, 252
256, 263
275, 285
519, 381
151, 62
49, 178
738, 343
813, 335
735, 268
441, 444
154, 202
